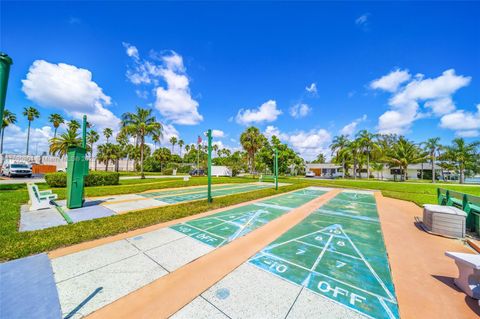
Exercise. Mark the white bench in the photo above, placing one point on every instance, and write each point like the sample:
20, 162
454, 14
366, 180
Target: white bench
39, 199
469, 272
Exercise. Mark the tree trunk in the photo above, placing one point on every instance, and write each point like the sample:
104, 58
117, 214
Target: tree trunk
128, 155
343, 167
106, 166
55, 133
433, 169
462, 172
142, 142
421, 172
28, 137
354, 168
368, 165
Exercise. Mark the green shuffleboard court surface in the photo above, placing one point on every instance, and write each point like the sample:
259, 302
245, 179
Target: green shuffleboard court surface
197, 193
338, 252
223, 227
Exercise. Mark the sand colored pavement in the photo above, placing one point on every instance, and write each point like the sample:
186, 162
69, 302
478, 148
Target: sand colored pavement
180, 287
422, 274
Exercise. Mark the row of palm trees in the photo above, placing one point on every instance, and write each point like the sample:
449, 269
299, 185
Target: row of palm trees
376, 151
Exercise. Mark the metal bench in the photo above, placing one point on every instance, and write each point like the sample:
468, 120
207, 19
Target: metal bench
40, 199
266, 178
468, 203
469, 272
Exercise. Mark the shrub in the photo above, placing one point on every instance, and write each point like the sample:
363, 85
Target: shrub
92, 179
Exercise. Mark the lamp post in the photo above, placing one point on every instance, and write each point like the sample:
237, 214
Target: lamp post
209, 136
5, 62
275, 167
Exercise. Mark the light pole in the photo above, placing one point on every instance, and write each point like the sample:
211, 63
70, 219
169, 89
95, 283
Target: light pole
209, 178
275, 167
5, 62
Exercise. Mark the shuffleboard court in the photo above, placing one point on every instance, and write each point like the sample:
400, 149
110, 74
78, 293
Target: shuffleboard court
338, 252
221, 228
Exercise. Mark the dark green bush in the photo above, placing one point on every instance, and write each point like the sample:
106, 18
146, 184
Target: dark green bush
92, 179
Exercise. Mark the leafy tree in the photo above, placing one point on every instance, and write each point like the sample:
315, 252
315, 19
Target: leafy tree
31, 113
73, 125
433, 146
162, 156
338, 147
106, 152
59, 145
462, 154
354, 149
8, 118
56, 119
141, 124
320, 159
252, 140
92, 138
107, 132
366, 143
404, 153
173, 141
180, 145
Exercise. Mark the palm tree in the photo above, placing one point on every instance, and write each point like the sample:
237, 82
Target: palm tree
8, 118
107, 132
31, 113
106, 152
180, 145
156, 138
141, 124
173, 141
92, 138
215, 149
354, 149
187, 148
56, 119
462, 154
339, 144
432, 146
404, 153
252, 140
365, 139
73, 125
59, 145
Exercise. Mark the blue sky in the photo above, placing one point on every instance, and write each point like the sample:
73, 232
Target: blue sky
303, 71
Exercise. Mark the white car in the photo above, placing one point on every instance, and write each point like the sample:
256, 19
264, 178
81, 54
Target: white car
16, 169
310, 174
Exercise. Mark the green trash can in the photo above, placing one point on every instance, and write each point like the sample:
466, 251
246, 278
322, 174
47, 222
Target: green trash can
77, 169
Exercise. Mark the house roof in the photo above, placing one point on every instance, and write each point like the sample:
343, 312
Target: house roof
323, 165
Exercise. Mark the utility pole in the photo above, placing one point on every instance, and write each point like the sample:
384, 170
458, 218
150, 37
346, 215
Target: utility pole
209, 136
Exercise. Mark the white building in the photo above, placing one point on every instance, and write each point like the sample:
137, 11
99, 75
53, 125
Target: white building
326, 170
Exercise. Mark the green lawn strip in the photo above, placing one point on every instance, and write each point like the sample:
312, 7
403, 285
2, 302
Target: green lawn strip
148, 180
14, 244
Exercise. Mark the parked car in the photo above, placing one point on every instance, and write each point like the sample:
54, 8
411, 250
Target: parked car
310, 174
16, 169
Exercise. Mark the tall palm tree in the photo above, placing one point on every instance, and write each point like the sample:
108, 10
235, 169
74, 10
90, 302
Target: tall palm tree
252, 140
59, 145
8, 118
142, 124
354, 148
180, 145
156, 138
173, 141
106, 153
92, 138
462, 154
56, 119
433, 146
215, 149
31, 113
73, 125
187, 148
339, 144
404, 153
367, 143
107, 132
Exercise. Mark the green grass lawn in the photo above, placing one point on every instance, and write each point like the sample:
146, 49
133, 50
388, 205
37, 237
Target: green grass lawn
14, 244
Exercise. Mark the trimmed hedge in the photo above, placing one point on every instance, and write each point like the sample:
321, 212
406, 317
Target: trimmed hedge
93, 178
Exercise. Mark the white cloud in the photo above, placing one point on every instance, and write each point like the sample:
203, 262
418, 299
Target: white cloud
391, 81
312, 88
131, 50
218, 133
466, 124
300, 110
15, 140
173, 101
307, 143
267, 112
168, 132
362, 19
404, 103
350, 128
71, 89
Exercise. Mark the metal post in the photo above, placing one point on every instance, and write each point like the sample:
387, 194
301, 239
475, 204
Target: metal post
209, 135
84, 132
276, 169
5, 62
